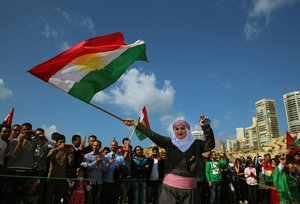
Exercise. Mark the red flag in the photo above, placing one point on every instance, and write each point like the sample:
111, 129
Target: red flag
9, 117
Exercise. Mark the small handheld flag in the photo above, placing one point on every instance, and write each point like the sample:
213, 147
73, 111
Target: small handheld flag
297, 141
9, 117
289, 140
143, 118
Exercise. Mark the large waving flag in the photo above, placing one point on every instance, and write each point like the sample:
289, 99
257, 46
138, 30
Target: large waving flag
143, 118
8, 119
90, 66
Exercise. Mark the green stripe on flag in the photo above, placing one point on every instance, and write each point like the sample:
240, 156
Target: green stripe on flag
140, 135
296, 143
96, 81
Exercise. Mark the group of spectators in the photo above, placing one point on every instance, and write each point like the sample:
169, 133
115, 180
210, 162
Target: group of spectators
253, 180
35, 169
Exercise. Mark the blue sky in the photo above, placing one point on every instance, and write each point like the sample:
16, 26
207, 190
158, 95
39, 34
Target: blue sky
205, 57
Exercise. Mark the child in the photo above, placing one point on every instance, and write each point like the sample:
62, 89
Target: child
78, 187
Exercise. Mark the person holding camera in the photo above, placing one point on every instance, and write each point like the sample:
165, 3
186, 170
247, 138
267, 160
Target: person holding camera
21, 156
183, 154
111, 190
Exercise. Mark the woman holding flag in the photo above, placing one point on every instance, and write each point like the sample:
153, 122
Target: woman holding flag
183, 155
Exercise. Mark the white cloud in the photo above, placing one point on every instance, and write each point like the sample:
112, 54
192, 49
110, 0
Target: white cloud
48, 31
49, 130
102, 97
215, 123
65, 46
4, 92
138, 89
228, 85
76, 19
259, 15
228, 115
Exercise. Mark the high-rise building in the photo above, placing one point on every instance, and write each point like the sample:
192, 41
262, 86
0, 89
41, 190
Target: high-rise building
240, 134
198, 134
267, 121
232, 145
292, 110
251, 136
220, 146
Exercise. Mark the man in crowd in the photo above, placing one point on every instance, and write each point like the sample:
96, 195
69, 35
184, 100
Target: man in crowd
21, 155
40, 163
140, 172
156, 176
111, 191
5, 131
59, 158
76, 152
15, 131
94, 162
89, 148
4, 134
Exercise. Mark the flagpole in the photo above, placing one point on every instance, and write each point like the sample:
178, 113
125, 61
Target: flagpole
95, 106
132, 133
106, 111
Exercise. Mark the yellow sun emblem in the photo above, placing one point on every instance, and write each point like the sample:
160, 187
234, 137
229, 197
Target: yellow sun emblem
89, 62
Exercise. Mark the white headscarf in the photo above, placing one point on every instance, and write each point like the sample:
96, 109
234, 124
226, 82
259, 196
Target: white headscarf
185, 143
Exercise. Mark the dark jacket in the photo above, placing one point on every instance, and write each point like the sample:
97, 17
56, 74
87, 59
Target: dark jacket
177, 162
140, 168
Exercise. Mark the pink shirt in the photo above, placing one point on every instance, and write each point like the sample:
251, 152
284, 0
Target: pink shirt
251, 180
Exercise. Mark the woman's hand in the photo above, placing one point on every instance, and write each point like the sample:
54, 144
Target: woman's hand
204, 120
130, 122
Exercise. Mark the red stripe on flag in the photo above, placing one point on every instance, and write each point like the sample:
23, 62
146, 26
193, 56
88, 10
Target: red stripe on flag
98, 44
145, 119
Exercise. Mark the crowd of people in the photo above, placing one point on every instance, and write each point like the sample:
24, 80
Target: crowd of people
35, 169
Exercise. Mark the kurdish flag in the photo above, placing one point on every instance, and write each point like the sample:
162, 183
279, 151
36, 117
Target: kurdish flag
143, 118
9, 117
90, 66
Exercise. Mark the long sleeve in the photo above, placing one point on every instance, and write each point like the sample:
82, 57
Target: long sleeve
207, 171
209, 138
158, 139
52, 153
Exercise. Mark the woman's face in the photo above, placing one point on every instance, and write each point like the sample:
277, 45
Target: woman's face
180, 132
